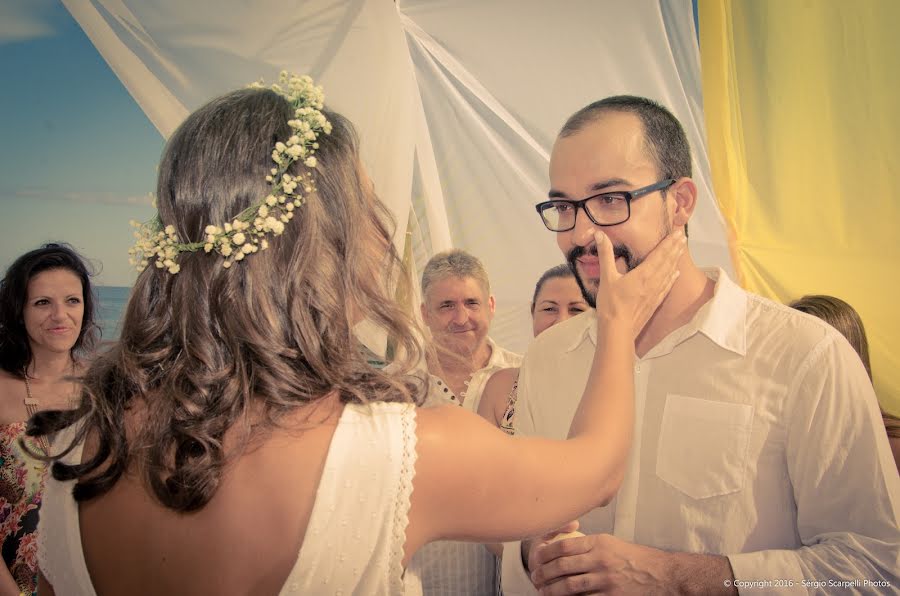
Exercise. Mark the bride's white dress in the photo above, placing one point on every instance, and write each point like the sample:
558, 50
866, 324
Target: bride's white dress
354, 540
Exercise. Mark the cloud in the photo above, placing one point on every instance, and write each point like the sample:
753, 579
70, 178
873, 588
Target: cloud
88, 198
24, 20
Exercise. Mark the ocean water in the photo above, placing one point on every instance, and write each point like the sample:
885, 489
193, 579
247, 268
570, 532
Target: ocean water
111, 301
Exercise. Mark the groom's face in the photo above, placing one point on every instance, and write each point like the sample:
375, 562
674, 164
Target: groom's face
607, 155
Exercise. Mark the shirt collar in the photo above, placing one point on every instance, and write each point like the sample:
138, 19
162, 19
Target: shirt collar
722, 319
586, 329
499, 357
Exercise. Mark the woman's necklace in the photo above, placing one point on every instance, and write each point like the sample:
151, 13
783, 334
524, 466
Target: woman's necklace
31, 407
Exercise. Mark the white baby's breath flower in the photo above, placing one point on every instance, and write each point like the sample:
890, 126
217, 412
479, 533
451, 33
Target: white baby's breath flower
244, 236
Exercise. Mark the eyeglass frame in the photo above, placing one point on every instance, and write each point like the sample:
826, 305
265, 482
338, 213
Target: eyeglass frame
630, 195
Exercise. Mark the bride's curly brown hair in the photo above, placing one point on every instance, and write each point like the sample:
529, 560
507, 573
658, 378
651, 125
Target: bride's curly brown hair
199, 350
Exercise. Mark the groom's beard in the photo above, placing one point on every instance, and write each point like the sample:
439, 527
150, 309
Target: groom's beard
620, 251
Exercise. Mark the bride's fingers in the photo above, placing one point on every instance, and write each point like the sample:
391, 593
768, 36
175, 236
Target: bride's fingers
658, 268
667, 252
606, 258
655, 276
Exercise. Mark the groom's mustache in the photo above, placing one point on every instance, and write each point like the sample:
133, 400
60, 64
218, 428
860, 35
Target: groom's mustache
619, 251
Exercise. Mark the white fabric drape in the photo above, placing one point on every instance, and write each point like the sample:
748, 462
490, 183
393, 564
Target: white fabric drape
457, 103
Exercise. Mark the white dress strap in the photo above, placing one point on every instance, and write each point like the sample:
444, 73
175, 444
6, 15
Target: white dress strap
356, 532
60, 556
354, 540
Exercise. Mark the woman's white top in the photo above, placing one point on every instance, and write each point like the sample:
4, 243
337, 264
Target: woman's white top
354, 540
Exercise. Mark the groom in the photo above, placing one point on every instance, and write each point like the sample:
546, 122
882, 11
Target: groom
726, 488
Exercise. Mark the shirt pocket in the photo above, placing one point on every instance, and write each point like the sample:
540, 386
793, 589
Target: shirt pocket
703, 445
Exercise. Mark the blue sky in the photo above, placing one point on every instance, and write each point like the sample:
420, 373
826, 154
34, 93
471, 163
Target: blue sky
77, 155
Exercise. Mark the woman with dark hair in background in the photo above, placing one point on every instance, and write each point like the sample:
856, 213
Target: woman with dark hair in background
845, 319
557, 298
46, 325
236, 440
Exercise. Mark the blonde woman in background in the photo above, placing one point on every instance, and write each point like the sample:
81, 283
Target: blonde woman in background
557, 298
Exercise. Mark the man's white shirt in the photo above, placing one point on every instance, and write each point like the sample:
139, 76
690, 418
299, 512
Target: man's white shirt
440, 394
757, 436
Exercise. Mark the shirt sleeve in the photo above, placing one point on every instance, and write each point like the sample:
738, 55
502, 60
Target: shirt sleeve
844, 480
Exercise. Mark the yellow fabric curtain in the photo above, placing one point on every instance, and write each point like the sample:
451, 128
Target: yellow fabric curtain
803, 119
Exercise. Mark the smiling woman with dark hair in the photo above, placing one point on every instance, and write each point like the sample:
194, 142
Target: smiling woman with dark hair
46, 326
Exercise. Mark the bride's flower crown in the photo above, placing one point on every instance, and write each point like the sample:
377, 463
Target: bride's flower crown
246, 233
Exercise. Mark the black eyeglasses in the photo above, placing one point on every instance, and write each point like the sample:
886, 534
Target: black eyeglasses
604, 209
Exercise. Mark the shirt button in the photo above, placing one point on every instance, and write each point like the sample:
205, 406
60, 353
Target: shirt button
637, 368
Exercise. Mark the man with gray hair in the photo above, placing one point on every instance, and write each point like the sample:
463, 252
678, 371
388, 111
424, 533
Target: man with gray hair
457, 307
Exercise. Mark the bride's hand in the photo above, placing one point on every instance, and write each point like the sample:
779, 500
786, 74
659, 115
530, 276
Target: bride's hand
636, 295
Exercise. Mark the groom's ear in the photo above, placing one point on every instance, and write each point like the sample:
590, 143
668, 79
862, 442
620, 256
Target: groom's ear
684, 200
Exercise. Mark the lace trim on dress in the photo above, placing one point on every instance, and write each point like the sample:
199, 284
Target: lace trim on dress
401, 512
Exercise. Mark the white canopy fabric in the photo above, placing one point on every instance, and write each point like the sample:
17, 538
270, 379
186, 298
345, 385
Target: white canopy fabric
457, 103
